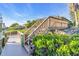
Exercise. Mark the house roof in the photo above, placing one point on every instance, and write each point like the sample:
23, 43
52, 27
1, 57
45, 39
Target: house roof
58, 17
55, 17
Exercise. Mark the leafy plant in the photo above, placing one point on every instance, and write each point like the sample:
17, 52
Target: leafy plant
56, 45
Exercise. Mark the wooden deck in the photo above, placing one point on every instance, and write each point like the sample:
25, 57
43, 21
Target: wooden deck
13, 47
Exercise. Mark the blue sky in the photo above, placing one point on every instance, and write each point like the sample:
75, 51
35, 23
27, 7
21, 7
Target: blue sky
21, 12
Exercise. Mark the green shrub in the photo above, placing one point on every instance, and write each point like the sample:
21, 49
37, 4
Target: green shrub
56, 45
63, 50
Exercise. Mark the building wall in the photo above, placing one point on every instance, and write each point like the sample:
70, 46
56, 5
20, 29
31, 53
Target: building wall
58, 24
41, 28
53, 23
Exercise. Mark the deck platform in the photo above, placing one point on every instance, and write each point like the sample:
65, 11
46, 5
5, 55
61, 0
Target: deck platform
13, 47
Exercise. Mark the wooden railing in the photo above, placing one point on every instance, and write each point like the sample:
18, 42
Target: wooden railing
32, 28
41, 28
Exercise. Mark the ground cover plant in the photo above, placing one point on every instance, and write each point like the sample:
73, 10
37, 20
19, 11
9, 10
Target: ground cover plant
56, 45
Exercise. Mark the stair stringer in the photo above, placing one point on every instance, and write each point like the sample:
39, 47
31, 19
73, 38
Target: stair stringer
41, 28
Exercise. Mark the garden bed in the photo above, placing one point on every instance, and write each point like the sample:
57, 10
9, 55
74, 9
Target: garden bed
56, 45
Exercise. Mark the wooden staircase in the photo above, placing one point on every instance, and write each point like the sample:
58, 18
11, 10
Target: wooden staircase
32, 28
41, 26
37, 28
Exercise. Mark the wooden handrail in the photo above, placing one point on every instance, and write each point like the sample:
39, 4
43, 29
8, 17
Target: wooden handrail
32, 26
37, 27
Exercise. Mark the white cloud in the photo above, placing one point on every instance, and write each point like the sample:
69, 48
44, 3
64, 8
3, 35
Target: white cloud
17, 14
8, 21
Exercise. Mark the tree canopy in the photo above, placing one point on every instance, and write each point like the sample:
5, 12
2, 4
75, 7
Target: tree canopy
29, 23
14, 25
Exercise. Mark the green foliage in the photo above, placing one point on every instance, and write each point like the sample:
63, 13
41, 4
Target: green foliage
74, 47
63, 50
22, 30
56, 44
14, 25
70, 24
29, 23
74, 44
11, 31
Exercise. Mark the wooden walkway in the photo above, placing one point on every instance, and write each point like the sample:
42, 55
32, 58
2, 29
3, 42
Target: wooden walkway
13, 47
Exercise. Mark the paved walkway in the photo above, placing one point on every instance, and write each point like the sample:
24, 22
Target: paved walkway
13, 47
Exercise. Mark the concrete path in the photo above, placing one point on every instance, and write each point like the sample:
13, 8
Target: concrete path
13, 47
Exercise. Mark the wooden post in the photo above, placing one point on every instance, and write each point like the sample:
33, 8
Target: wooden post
76, 20
48, 22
